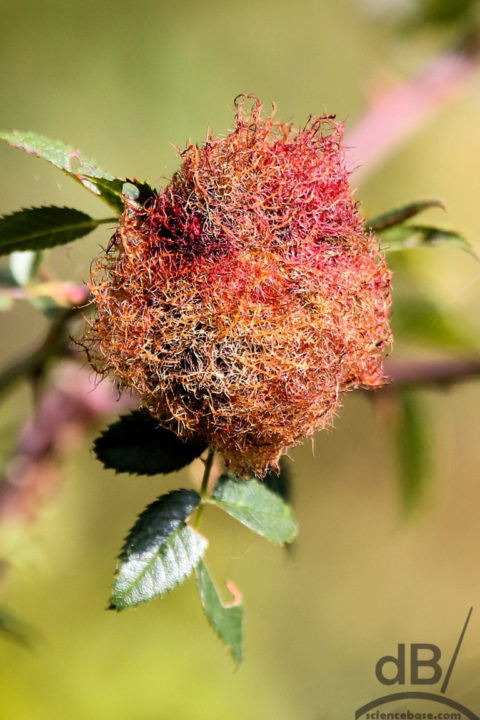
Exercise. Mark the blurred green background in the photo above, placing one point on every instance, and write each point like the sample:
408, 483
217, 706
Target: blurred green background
126, 82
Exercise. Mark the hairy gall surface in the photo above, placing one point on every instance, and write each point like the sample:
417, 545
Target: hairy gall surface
243, 299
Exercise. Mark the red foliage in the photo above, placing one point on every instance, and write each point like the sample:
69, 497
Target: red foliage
244, 298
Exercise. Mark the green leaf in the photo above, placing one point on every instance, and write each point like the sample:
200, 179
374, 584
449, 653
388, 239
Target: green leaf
159, 552
406, 237
412, 447
6, 278
257, 507
279, 483
44, 227
136, 444
65, 157
225, 619
399, 215
16, 630
118, 192
78, 166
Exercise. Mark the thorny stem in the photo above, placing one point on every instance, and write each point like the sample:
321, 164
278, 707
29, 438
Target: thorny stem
204, 485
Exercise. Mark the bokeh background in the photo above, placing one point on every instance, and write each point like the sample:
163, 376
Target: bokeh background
127, 82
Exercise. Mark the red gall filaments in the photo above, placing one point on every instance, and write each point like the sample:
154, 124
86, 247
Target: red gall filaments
243, 299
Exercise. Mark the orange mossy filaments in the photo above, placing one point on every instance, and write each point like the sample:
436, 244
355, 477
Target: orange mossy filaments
245, 297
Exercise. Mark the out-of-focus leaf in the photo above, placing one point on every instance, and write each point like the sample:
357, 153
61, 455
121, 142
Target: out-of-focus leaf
399, 215
24, 265
279, 483
412, 445
16, 630
43, 227
225, 619
406, 237
136, 444
440, 13
6, 278
255, 506
160, 551
419, 320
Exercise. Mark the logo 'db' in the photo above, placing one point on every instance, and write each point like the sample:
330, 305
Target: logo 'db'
424, 665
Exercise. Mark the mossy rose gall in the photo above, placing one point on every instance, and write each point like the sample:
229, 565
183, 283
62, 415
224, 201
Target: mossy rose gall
245, 297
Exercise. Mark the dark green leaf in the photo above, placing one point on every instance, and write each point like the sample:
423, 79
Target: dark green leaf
226, 620
117, 192
136, 444
44, 227
257, 507
406, 237
137, 191
412, 445
108, 190
159, 552
399, 215
438, 14
279, 483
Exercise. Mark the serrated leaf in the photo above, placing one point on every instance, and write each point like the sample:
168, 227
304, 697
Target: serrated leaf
65, 157
225, 619
406, 237
78, 166
412, 446
279, 483
43, 227
136, 444
399, 215
160, 550
255, 506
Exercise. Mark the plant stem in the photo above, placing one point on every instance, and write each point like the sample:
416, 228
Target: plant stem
204, 485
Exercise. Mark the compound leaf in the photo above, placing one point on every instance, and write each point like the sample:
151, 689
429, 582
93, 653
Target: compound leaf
255, 506
136, 444
160, 550
225, 619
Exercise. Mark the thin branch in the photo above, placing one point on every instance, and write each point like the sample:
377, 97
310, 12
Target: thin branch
439, 373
